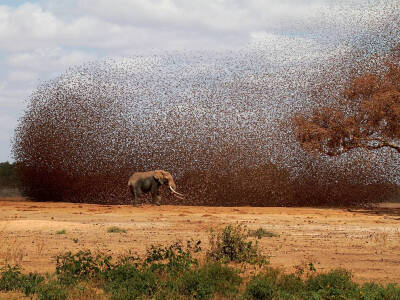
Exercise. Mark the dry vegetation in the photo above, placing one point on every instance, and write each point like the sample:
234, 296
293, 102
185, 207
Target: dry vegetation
305, 244
367, 115
364, 241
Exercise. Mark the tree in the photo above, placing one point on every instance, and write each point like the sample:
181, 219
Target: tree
7, 174
367, 115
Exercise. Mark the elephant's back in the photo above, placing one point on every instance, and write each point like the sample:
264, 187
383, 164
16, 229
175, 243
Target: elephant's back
138, 176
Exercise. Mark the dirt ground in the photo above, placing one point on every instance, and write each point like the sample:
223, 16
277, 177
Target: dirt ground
365, 241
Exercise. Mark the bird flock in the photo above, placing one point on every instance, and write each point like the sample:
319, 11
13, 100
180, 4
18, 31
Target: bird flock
219, 121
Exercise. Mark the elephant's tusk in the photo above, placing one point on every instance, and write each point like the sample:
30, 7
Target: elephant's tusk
170, 187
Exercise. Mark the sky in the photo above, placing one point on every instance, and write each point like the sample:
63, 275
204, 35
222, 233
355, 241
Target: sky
40, 40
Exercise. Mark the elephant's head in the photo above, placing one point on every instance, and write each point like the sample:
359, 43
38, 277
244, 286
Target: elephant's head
164, 177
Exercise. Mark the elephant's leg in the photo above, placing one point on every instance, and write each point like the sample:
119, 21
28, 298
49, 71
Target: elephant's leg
155, 193
133, 194
137, 194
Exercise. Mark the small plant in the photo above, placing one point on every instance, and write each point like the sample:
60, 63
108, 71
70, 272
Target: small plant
231, 245
210, 278
63, 231
127, 281
10, 279
13, 280
75, 240
260, 287
31, 283
81, 265
116, 229
261, 232
272, 284
173, 258
332, 285
371, 290
305, 270
52, 290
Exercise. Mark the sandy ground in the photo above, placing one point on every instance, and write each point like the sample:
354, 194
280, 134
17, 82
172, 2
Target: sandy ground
367, 242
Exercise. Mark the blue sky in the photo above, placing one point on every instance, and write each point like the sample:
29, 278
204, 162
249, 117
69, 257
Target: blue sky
41, 39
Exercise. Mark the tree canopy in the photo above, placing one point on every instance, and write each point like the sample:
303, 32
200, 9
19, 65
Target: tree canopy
366, 116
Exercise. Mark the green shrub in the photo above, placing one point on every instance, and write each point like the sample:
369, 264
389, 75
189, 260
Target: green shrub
129, 282
290, 286
272, 284
31, 283
81, 265
261, 232
374, 291
10, 279
52, 290
63, 231
231, 244
116, 229
261, 287
210, 278
13, 280
335, 284
173, 258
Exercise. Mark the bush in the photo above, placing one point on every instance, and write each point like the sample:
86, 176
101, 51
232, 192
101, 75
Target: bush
332, 285
272, 284
129, 282
261, 287
290, 285
173, 258
82, 265
31, 283
11, 278
209, 279
172, 273
52, 290
372, 291
231, 245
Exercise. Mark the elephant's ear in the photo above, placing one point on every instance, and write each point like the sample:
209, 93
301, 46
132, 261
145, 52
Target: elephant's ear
159, 177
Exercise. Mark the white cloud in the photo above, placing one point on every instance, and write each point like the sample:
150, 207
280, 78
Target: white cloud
22, 76
47, 60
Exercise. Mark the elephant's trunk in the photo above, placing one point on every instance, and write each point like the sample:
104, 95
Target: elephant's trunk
175, 192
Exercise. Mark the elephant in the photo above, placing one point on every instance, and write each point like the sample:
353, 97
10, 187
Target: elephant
150, 181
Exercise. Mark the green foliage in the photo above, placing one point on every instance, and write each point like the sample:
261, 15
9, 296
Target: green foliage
174, 258
116, 229
82, 265
31, 283
260, 287
130, 282
261, 232
63, 231
52, 290
374, 291
231, 244
173, 272
11, 278
210, 278
335, 284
